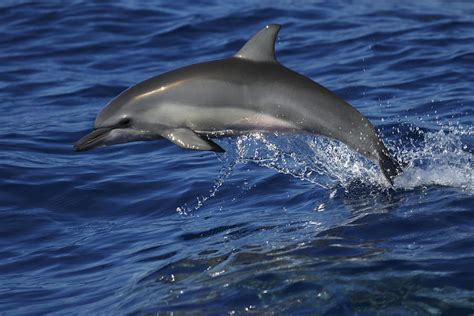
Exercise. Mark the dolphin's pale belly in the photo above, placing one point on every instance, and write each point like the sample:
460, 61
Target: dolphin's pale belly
230, 121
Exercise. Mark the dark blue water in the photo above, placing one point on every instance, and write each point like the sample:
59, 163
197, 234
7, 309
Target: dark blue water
277, 224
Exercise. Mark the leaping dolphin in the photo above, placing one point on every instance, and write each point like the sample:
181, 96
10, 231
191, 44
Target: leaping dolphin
250, 91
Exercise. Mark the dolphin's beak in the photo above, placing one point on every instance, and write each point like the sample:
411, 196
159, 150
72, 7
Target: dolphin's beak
91, 140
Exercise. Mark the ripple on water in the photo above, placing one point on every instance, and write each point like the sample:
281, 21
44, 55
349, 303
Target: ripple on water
294, 224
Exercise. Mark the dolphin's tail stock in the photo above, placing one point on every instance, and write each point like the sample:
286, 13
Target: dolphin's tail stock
390, 166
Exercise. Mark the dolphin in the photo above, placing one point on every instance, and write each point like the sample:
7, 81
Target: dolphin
248, 92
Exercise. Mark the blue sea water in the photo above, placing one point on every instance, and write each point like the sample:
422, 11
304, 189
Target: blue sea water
277, 224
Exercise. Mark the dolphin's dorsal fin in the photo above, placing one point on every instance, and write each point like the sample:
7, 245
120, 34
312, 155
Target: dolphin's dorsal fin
261, 47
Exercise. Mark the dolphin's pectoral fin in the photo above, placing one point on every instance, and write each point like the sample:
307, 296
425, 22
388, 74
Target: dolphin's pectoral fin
188, 139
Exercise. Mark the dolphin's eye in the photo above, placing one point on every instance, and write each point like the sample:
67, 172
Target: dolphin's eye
124, 122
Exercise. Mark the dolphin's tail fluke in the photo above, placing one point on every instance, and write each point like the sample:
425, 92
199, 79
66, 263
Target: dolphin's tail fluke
390, 166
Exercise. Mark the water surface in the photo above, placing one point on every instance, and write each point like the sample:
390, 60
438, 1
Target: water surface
277, 224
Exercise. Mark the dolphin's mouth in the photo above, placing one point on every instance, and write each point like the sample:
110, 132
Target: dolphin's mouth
91, 140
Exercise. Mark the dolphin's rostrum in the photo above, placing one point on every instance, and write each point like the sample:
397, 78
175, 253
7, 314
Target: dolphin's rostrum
247, 92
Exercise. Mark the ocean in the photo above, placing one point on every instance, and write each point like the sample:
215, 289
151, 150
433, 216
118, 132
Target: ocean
279, 224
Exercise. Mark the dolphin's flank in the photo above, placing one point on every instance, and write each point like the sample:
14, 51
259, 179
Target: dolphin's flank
250, 91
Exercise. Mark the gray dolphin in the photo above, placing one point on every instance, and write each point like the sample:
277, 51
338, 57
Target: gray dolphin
247, 92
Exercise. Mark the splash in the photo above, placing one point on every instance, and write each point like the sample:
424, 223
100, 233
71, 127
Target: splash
442, 158
321, 161
433, 158
225, 171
